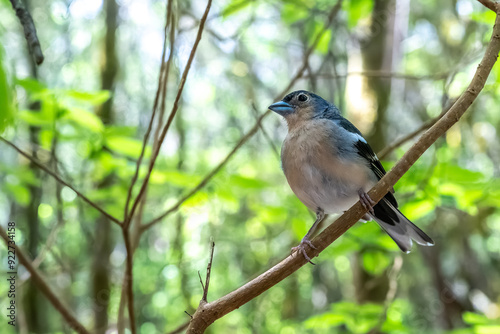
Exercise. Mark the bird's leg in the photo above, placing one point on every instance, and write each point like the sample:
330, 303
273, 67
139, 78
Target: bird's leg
366, 201
320, 215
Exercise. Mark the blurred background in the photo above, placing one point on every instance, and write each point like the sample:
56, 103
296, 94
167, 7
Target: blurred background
390, 65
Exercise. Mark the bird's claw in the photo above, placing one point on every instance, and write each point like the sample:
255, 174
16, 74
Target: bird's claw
366, 201
300, 248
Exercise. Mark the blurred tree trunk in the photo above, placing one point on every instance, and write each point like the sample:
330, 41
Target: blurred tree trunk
35, 304
104, 242
376, 53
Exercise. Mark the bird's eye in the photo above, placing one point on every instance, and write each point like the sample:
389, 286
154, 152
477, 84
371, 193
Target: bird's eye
303, 98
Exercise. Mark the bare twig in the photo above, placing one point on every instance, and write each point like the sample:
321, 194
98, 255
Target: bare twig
206, 314
391, 147
266, 135
209, 269
29, 30
252, 130
162, 79
381, 74
42, 285
129, 279
61, 181
172, 112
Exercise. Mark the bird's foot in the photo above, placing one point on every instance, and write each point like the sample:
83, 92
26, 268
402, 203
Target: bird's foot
301, 249
366, 201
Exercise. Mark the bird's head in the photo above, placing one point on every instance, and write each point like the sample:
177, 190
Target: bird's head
302, 105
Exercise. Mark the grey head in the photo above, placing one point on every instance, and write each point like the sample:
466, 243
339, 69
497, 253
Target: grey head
302, 105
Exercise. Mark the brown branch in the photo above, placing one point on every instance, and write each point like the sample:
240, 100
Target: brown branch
42, 285
493, 5
206, 314
254, 128
61, 181
29, 30
391, 147
129, 279
162, 79
172, 112
209, 269
382, 74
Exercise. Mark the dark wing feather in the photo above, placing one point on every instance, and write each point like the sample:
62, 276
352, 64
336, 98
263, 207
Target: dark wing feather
367, 153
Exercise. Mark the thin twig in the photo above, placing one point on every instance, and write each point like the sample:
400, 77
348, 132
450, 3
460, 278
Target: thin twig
42, 285
161, 79
29, 31
252, 130
207, 313
266, 135
172, 112
391, 147
61, 181
381, 74
208, 177
209, 270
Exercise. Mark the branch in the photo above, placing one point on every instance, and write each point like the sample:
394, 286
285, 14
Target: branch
254, 128
29, 31
42, 285
61, 181
493, 5
209, 269
391, 147
129, 278
382, 74
172, 112
162, 82
206, 314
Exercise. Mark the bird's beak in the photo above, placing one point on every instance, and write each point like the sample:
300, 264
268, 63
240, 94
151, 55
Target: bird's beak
281, 108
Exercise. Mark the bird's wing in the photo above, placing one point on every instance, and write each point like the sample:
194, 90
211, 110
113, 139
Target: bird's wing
365, 151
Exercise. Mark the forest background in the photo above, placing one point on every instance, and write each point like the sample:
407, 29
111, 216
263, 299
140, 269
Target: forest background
208, 74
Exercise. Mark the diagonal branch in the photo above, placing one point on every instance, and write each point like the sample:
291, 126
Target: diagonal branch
493, 5
42, 285
206, 314
175, 107
61, 181
162, 80
255, 127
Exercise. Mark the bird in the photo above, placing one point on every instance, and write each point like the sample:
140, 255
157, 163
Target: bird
329, 166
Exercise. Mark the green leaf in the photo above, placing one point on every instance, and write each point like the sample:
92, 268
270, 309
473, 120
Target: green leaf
235, 6
375, 262
84, 119
130, 147
31, 85
487, 329
174, 177
6, 98
93, 98
247, 183
324, 321
357, 9
35, 118
474, 318
291, 13
20, 193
